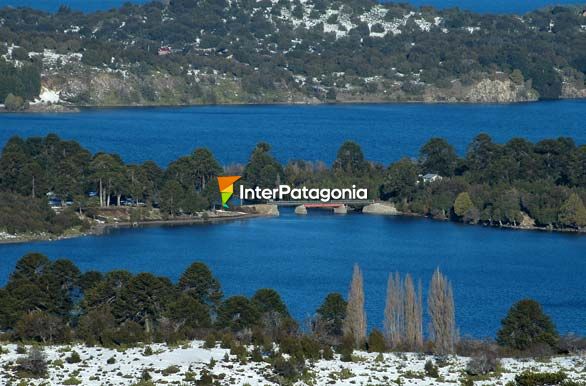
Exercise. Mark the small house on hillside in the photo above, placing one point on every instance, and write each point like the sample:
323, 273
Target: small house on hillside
164, 51
431, 177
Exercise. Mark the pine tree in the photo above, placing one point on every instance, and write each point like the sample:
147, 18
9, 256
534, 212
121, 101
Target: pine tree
355, 322
442, 314
526, 325
394, 327
332, 313
199, 282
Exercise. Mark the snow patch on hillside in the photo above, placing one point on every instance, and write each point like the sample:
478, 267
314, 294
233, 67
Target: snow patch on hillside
192, 359
48, 96
375, 16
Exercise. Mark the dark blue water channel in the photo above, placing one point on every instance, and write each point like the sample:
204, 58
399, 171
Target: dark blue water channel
483, 6
385, 132
304, 258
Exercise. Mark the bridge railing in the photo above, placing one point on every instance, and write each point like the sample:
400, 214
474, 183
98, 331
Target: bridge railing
315, 203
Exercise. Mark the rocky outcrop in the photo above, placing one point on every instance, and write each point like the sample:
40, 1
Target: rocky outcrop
487, 90
266, 209
499, 91
527, 222
573, 90
51, 108
85, 86
384, 208
342, 209
301, 210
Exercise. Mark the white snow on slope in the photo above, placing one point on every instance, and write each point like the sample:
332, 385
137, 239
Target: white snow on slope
191, 359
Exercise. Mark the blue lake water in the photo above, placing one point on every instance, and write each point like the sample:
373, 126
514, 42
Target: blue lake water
304, 258
385, 132
485, 6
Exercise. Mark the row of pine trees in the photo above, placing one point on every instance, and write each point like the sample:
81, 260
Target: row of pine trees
403, 316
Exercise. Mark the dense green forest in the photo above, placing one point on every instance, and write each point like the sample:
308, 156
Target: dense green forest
268, 49
50, 302
539, 184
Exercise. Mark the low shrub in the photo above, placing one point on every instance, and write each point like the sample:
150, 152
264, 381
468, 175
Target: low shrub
170, 370
327, 353
34, 364
73, 358
129, 333
145, 376
289, 369
227, 340
239, 351
72, 381
482, 363
346, 349
528, 378
256, 355
570, 344
311, 347
210, 341
431, 370
376, 341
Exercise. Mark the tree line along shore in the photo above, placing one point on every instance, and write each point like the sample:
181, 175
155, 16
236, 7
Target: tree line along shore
56, 188
49, 302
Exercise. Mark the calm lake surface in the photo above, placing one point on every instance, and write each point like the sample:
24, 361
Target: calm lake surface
304, 258
484, 6
385, 132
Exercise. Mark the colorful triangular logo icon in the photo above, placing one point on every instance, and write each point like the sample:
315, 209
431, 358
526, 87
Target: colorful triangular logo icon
226, 185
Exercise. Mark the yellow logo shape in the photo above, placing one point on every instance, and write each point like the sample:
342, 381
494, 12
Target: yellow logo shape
226, 185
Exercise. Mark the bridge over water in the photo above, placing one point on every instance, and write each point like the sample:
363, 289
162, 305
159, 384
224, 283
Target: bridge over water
321, 204
339, 206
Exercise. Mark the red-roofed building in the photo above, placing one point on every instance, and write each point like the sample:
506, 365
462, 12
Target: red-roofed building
164, 51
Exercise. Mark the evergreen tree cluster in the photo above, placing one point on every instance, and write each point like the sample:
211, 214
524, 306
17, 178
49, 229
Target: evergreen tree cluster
22, 82
52, 301
518, 183
494, 184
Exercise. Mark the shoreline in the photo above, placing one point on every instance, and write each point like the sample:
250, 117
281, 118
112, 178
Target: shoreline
490, 226
102, 229
60, 108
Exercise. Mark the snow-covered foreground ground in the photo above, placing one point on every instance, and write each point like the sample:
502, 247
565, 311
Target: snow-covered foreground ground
191, 360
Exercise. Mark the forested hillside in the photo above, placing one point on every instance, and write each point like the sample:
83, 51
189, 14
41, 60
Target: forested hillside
219, 51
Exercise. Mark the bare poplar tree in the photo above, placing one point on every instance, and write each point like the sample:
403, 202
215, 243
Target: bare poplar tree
440, 304
355, 321
413, 316
394, 322
419, 317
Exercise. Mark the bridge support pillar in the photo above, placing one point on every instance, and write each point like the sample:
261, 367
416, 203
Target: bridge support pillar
342, 209
301, 210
